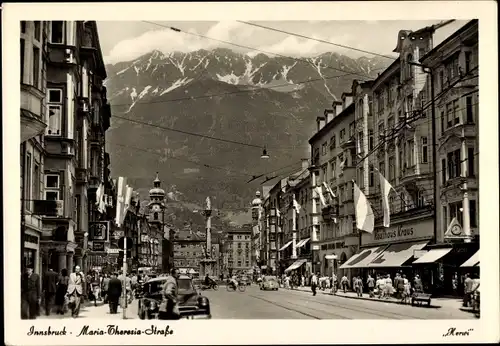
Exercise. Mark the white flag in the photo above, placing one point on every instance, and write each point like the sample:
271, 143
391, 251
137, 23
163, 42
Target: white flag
365, 219
342, 165
278, 213
385, 188
120, 199
296, 205
320, 194
329, 189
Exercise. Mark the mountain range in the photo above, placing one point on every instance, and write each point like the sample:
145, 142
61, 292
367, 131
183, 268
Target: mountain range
261, 101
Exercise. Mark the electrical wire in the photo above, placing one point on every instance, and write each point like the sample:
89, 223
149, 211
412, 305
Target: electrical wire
250, 48
252, 89
195, 162
316, 39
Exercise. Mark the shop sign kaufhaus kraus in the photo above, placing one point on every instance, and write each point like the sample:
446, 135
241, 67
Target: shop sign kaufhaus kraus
407, 231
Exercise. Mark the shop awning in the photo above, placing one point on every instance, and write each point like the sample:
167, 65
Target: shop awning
286, 245
295, 265
302, 242
473, 261
362, 259
331, 257
432, 255
396, 254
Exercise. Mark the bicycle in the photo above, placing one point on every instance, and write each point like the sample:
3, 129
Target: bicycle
230, 287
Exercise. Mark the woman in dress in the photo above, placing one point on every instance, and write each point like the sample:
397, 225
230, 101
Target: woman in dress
62, 287
389, 289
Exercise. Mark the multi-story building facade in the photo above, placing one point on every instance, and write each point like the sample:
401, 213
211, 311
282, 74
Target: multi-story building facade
400, 130
78, 116
297, 185
189, 250
454, 65
33, 48
238, 246
335, 158
61, 71
457, 128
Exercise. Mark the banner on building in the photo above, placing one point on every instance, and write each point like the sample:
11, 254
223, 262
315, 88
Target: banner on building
99, 231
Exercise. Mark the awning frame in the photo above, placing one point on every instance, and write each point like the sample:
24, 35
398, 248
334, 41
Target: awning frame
421, 245
295, 265
472, 261
434, 255
302, 242
368, 259
286, 245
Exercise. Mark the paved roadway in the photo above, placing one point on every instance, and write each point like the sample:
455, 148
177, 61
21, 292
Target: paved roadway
290, 304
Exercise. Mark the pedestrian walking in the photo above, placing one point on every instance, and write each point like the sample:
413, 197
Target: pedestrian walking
114, 292
370, 283
302, 281
105, 287
407, 289
50, 280
169, 309
468, 288
334, 284
359, 288
389, 289
417, 284
355, 284
76, 284
344, 282
62, 289
30, 295
314, 283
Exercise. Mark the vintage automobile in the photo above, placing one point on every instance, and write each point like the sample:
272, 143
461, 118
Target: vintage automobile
269, 283
192, 305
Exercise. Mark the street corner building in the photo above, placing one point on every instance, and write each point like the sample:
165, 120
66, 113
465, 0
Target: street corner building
64, 118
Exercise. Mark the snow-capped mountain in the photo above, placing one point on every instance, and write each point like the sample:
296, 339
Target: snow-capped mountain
261, 100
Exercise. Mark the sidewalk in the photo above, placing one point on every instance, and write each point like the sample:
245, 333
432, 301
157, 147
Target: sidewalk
88, 310
448, 303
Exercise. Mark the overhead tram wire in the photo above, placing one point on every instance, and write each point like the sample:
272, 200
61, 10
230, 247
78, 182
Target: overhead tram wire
316, 39
255, 89
417, 114
251, 48
195, 162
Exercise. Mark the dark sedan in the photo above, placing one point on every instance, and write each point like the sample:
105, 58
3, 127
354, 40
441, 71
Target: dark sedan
192, 305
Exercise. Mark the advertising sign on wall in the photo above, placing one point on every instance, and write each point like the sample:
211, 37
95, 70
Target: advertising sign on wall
407, 231
99, 231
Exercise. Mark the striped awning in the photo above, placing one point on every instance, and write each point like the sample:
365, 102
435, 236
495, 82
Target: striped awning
295, 265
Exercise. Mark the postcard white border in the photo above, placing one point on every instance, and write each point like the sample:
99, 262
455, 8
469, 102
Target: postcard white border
262, 331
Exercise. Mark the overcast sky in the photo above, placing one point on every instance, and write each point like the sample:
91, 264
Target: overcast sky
123, 41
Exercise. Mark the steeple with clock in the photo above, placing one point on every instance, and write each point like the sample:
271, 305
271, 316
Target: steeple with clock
156, 204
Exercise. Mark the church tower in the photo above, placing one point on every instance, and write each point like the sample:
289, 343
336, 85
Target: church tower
156, 204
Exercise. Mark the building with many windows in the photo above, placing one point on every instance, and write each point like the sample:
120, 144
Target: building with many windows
238, 249
335, 158
78, 116
456, 60
64, 117
33, 47
189, 250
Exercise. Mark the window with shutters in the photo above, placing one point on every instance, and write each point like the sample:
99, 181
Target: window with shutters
52, 187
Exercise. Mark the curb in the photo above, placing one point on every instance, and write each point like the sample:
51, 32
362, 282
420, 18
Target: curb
370, 299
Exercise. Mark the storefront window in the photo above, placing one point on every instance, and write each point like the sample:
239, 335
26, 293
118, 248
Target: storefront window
29, 258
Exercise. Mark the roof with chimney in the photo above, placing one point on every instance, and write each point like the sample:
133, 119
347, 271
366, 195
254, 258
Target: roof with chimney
331, 124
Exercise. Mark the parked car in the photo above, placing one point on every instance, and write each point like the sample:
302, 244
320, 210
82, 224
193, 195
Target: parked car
269, 283
192, 304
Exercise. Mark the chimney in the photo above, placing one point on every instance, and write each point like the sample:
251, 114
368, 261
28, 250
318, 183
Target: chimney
329, 114
305, 164
320, 122
337, 107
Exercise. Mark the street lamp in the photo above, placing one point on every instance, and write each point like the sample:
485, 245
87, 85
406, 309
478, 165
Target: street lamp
430, 71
